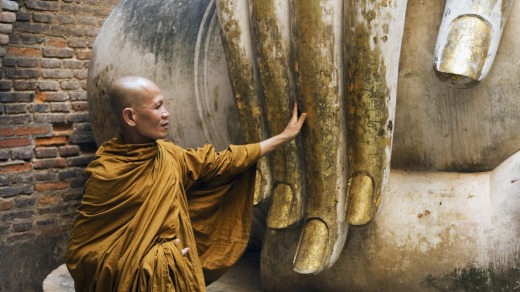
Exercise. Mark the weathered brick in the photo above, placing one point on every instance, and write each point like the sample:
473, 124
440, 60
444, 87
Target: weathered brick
61, 107
24, 202
4, 39
51, 141
7, 131
54, 209
87, 20
73, 64
16, 214
44, 18
61, 30
81, 106
15, 167
28, 62
73, 195
22, 227
22, 73
68, 150
16, 108
25, 177
78, 43
32, 39
39, 108
49, 118
6, 85
57, 74
4, 179
83, 54
35, 129
57, 43
6, 28
23, 16
54, 230
45, 152
44, 222
69, 85
16, 190
7, 17
78, 138
14, 142
66, 19
78, 117
5, 205
78, 96
16, 96
58, 53
19, 237
24, 52
4, 156
9, 61
14, 119
48, 85
51, 63
43, 5
22, 153
91, 31
49, 163
4, 229
10, 6
81, 74
50, 186
24, 85
30, 27
62, 129
80, 160
49, 200
71, 173
46, 175
51, 96
77, 183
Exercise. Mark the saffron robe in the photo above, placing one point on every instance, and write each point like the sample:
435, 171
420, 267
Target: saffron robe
138, 199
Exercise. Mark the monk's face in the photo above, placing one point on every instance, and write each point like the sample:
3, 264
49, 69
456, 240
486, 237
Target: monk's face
151, 118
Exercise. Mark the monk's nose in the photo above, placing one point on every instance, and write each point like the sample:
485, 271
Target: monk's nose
165, 114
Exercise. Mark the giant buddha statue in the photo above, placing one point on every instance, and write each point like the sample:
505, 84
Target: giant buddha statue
407, 172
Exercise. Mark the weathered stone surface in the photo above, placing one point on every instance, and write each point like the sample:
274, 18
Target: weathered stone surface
59, 280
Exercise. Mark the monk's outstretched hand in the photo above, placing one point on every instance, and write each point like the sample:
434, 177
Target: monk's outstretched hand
292, 130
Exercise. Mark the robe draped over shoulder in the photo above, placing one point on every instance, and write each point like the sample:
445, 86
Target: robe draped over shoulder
142, 204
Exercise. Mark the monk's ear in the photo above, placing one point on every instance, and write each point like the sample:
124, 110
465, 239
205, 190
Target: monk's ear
129, 116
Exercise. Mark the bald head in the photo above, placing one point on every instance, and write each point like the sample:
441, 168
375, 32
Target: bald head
129, 92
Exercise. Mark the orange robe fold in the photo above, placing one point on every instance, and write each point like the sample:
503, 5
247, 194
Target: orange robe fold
139, 199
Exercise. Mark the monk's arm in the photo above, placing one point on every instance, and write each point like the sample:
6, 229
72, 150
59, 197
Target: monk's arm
291, 131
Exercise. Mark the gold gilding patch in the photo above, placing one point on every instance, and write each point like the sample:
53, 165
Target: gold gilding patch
361, 206
465, 53
285, 209
311, 251
368, 118
258, 182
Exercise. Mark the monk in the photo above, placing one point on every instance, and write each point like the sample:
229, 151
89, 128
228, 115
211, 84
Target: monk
155, 216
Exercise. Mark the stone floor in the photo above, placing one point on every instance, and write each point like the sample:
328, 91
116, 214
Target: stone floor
243, 277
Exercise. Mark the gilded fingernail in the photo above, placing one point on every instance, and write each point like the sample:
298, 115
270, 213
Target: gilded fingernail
462, 59
285, 210
310, 255
361, 204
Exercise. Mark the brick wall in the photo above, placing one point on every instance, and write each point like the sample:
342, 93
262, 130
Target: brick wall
45, 135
